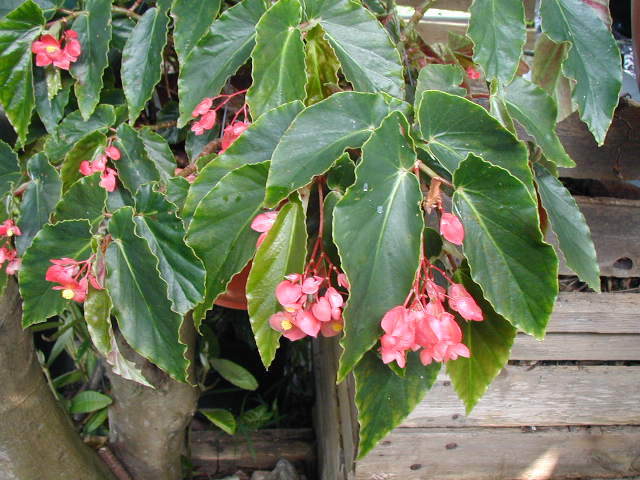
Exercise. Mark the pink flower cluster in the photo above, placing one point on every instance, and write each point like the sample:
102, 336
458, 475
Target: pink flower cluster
48, 50
73, 277
428, 326
9, 229
472, 73
108, 176
307, 312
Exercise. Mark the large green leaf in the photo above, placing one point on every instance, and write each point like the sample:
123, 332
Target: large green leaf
282, 252
142, 59
9, 169
454, 127
504, 244
489, 342
446, 78
94, 34
278, 68
84, 200
536, 111
255, 145
159, 152
498, 31
234, 373
318, 136
321, 64
369, 59
18, 30
593, 60
191, 20
384, 399
377, 227
220, 232
570, 226
219, 53
140, 300
71, 239
49, 110
156, 221
73, 128
134, 168
39, 199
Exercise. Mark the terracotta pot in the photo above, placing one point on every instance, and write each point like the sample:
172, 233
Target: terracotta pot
235, 296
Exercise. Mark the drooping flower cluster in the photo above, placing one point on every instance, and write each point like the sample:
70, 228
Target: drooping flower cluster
108, 175
48, 50
208, 115
74, 277
8, 254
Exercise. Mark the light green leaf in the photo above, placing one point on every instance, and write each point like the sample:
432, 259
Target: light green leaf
489, 342
221, 418
318, 136
321, 65
71, 239
84, 200
593, 60
255, 145
159, 152
89, 401
18, 30
96, 420
50, 111
156, 221
497, 28
142, 59
220, 232
504, 244
191, 20
536, 111
234, 373
369, 59
39, 199
89, 148
134, 168
377, 227
384, 399
94, 34
73, 128
97, 316
219, 53
282, 252
454, 127
446, 78
9, 169
570, 226
278, 68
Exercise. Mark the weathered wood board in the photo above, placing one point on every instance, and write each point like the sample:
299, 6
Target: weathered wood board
504, 453
577, 312
577, 346
463, 5
541, 396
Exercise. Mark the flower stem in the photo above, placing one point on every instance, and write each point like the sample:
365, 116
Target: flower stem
433, 174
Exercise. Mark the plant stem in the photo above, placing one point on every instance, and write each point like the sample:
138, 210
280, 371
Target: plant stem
418, 14
127, 12
433, 174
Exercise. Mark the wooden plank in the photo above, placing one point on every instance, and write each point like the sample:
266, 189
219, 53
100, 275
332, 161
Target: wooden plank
500, 454
214, 452
542, 396
617, 159
463, 5
615, 229
577, 346
577, 312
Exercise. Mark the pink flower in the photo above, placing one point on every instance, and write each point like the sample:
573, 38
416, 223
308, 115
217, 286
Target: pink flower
108, 179
14, 265
99, 164
73, 277
336, 301
9, 229
472, 73
231, 134
284, 323
112, 152
435, 292
332, 328
47, 50
206, 122
451, 228
72, 46
202, 108
263, 222
321, 309
289, 295
448, 337
311, 285
399, 335
85, 168
462, 302
343, 281
308, 323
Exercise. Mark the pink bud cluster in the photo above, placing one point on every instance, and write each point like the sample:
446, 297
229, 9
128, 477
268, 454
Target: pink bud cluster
48, 50
8, 254
306, 310
108, 175
74, 277
208, 115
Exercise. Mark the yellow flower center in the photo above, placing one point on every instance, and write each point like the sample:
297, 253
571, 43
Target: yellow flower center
68, 294
10, 232
286, 325
51, 49
336, 327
